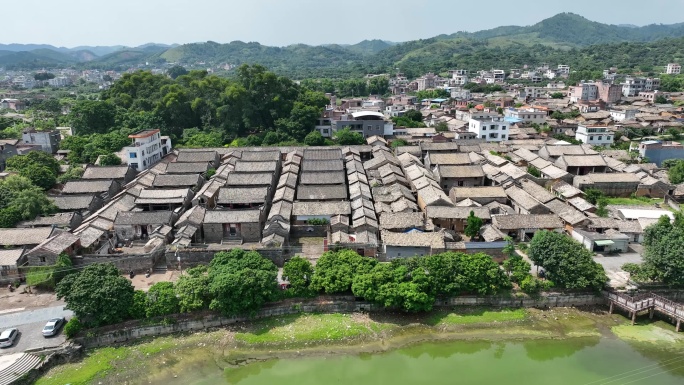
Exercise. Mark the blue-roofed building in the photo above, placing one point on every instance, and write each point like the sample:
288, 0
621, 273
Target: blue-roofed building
657, 151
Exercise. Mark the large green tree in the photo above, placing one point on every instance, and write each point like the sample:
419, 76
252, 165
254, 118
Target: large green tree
473, 225
567, 262
161, 300
664, 245
92, 116
335, 270
98, 295
241, 282
298, 271
346, 137
192, 289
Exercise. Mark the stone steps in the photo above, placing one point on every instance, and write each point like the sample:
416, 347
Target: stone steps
20, 367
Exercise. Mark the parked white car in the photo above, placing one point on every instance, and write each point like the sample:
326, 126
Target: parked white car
52, 327
8, 337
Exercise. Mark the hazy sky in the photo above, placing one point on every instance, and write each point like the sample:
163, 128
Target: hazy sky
282, 22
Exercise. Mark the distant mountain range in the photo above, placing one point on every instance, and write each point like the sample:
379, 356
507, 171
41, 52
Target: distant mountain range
565, 31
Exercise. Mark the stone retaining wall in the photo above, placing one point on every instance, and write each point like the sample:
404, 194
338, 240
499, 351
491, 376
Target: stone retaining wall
327, 305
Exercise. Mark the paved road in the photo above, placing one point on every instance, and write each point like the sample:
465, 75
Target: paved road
30, 324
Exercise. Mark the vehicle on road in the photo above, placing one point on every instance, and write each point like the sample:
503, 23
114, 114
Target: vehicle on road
52, 327
7, 337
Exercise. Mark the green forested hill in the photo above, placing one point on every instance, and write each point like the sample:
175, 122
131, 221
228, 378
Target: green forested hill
565, 38
571, 30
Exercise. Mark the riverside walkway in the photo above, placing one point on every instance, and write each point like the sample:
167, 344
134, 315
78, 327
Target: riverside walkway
648, 302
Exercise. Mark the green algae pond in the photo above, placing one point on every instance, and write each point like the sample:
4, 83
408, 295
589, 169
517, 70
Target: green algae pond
576, 361
559, 346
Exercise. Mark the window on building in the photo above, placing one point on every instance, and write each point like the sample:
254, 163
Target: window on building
484, 136
600, 137
484, 128
608, 137
132, 155
503, 127
591, 138
503, 136
42, 259
325, 130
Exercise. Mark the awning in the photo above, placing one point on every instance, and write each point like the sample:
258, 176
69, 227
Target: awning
607, 242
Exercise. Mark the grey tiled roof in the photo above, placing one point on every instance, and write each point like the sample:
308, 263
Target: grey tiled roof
255, 167
322, 165
321, 192
232, 216
72, 202
143, 218
187, 168
9, 257
105, 172
190, 156
87, 186
321, 208
242, 195
520, 221
21, 237
325, 177
177, 180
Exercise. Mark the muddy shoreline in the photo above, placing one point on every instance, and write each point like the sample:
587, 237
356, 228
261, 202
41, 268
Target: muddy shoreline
157, 359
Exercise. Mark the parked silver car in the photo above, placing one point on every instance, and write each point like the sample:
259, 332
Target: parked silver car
52, 327
8, 337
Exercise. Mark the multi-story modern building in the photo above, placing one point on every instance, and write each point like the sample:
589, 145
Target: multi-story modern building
426, 82
492, 130
594, 135
584, 92
633, 85
366, 123
673, 69
458, 77
460, 93
534, 92
148, 148
608, 92
563, 70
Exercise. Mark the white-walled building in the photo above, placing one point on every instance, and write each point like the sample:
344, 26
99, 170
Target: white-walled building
148, 148
594, 135
491, 130
633, 85
528, 115
673, 69
563, 70
622, 115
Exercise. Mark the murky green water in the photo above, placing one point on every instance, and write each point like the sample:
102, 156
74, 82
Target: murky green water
590, 361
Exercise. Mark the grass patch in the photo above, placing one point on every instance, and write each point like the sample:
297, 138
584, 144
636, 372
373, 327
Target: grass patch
646, 331
96, 363
476, 316
303, 329
636, 201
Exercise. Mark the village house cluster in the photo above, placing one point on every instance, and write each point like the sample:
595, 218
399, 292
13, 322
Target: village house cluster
506, 157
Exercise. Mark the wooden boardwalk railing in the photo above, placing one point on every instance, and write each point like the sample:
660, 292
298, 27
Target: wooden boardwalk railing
647, 302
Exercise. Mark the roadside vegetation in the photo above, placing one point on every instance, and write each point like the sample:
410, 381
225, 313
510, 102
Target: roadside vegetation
240, 282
